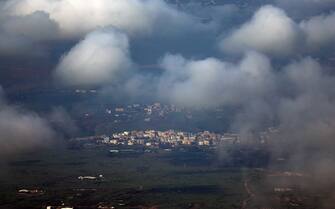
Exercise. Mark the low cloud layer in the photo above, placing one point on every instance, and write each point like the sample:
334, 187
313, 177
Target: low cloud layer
62, 122
21, 130
297, 98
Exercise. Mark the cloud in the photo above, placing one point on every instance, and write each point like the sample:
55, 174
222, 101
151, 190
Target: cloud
319, 30
76, 18
14, 45
36, 26
42, 24
60, 119
272, 32
95, 60
212, 82
21, 130
269, 31
305, 8
307, 119
19, 34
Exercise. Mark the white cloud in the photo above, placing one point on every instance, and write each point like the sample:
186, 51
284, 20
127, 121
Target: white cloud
269, 31
319, 30
96, 59
31, 24
211, 82
21, 130
76, 18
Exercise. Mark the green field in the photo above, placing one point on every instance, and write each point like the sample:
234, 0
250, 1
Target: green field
167, 180
164, 179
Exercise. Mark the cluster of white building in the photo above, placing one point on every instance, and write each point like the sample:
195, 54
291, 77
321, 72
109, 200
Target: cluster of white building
151, 138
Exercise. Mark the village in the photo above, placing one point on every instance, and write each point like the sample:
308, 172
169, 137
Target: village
170, 139
161, 139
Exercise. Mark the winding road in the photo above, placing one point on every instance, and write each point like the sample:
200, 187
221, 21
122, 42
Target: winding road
250, 194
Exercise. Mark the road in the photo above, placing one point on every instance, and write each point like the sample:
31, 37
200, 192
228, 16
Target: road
249, 192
